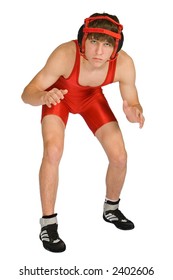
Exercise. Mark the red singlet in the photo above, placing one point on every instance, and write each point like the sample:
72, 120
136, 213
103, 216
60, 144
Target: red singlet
87, 101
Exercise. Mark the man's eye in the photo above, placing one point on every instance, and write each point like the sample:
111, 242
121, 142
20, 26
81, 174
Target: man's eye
93, 41
107, 44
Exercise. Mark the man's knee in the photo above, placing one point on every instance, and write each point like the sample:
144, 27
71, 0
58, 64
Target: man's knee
53, 152
118, 158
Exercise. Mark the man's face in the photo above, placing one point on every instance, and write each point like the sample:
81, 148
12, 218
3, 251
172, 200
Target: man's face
98, 52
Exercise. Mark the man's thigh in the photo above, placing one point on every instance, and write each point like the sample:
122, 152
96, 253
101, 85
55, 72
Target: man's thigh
97, 113
110, 137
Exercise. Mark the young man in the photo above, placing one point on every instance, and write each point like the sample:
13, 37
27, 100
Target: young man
71, 82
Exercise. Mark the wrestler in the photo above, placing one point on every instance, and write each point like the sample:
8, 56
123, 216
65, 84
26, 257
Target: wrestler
71, 82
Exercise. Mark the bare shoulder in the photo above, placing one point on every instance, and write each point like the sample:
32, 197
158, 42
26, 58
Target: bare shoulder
64, 50
124, 59
125, 66
60, 63
63, 57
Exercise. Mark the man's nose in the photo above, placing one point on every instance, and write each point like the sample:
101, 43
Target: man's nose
99, 49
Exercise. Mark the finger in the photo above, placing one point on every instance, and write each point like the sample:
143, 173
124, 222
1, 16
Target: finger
138, 113
139, 116
142, 119
48, 104
53, 100
55, 96
141, 125
64, 91
60, 93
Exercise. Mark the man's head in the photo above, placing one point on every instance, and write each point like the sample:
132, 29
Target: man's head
102, 27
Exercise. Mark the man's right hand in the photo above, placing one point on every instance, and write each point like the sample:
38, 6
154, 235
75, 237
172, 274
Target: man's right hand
54, 96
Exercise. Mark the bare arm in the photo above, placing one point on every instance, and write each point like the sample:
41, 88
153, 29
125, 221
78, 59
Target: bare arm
131, 105
35, 92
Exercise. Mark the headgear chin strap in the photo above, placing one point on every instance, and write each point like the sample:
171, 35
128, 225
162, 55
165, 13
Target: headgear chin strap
118, 36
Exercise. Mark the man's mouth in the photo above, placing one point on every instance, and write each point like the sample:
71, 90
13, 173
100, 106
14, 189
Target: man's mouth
97, 59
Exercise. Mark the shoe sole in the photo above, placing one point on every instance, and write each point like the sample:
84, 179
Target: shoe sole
53, 250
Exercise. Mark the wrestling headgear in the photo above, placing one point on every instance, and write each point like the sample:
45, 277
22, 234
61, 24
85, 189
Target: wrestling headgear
85, 29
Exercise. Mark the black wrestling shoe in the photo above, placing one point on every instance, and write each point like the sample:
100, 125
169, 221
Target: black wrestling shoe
49, 234
51, 240
118, 219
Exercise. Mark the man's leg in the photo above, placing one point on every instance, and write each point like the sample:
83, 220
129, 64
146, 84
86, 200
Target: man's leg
112, 142
53, 140
110, 137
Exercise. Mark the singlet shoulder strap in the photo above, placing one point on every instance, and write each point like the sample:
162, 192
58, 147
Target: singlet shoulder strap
77, 52
77, 60
111, 72
76, 66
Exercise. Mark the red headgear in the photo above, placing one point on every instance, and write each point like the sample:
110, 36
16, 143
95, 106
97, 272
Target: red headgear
118, 36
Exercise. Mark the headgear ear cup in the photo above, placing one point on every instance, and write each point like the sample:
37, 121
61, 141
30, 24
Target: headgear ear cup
120, 43
80, 34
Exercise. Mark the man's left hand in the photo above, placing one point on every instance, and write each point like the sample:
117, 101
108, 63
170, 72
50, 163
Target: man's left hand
133, 114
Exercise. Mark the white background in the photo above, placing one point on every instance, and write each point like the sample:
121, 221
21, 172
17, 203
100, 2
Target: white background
30, 30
